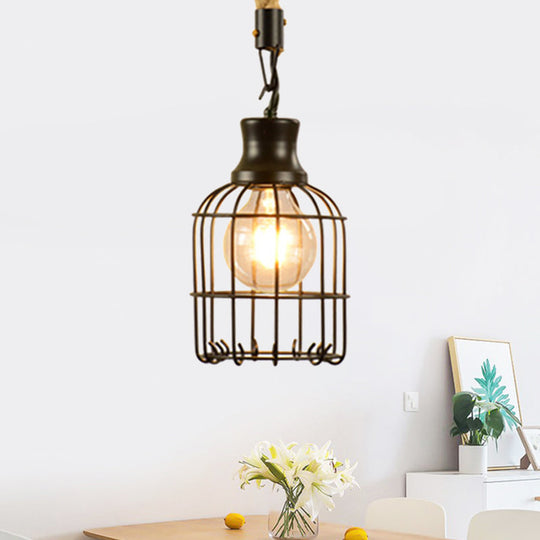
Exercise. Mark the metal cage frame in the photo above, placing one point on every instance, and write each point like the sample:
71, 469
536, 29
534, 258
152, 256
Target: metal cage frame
212, 345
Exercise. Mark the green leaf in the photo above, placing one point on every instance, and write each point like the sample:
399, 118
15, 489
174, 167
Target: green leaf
274, 469
475, 424
495, 423
463, 405
491, 390
508, 414
257, 477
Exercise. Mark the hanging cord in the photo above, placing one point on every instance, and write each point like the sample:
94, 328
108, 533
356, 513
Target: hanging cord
273, 85
267, 4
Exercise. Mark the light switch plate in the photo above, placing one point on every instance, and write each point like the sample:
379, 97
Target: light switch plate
411, 401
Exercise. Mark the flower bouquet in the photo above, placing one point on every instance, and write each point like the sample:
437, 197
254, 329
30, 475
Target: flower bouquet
309, 477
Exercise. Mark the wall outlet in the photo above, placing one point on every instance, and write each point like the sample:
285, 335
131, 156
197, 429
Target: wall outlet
411, 401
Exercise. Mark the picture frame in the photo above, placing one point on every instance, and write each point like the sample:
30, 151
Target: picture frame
530, 437
486, 367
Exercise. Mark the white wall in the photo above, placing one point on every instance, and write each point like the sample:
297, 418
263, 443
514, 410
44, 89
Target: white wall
421, 118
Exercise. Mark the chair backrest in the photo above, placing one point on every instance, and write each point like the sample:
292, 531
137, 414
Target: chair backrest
405, 515
5, 535
505, 525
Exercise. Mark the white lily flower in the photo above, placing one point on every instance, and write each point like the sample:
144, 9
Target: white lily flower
315, 493
309, 475
283, 456
254, 467
346, 473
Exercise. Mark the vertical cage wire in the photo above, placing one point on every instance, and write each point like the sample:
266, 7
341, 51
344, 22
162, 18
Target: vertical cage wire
236, 322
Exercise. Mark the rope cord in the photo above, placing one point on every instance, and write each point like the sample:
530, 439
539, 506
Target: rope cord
267, 4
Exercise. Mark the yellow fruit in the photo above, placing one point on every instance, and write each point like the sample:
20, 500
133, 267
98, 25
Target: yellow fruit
235, 521
356, 533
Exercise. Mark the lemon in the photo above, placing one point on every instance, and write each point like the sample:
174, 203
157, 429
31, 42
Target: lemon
235, 521
356, 533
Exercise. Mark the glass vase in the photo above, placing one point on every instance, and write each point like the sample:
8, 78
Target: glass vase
290, 524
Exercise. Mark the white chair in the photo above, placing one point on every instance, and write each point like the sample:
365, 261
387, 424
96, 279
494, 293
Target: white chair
505, 525
410, 516
4, 535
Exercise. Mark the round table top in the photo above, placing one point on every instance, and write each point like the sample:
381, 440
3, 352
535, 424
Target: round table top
214, 529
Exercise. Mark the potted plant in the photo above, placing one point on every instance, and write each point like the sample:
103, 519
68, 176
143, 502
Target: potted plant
477, 421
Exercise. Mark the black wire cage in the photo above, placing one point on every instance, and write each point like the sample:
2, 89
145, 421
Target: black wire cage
269, 259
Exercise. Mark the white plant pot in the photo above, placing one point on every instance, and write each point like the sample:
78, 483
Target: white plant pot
473, 459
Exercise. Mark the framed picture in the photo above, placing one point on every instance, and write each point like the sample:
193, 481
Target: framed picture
486, 367
530, 437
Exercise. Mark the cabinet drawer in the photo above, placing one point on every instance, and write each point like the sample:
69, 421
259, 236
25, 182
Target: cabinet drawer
518, 494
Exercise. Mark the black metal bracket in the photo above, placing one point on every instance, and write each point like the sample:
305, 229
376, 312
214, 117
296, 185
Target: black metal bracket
272, 85
269, 36
268, 31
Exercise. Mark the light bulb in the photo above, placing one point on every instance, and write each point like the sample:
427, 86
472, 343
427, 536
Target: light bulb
260, 248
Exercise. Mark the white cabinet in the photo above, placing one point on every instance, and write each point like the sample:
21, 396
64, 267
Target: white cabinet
463, 495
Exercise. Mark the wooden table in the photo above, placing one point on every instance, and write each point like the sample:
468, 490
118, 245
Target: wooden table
214, 529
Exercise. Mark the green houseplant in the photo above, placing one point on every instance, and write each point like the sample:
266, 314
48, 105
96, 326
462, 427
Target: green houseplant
476, 421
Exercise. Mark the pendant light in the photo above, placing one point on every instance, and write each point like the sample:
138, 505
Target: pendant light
269, 248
